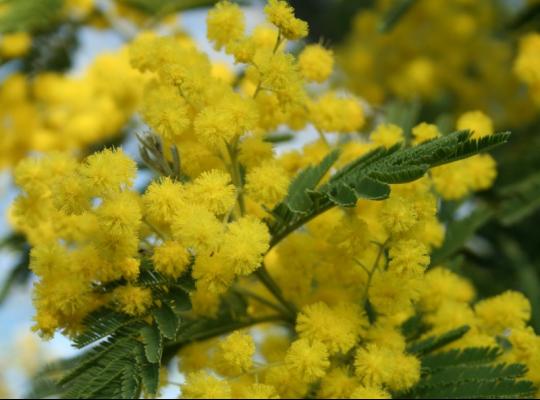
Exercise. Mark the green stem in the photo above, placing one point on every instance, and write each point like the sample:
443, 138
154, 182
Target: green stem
262, 300
262, 274
280, 235
236, 175
374, 268
278, 42
174, 347
323, 138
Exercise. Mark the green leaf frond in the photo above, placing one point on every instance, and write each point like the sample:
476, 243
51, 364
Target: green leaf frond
369, 177
28, 15
470, 372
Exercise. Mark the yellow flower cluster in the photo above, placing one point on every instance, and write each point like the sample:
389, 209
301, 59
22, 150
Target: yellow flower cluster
14, 45
58, 112
527, 63
466, 176
91, 230
381, 65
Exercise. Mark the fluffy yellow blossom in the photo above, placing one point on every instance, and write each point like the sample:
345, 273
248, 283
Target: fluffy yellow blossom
337, 328
205, 303
213, 273
424, 132
213, 190
171, 259
260, 391
235, 354
287, 385
15, 44
398, 214
166, 111
201, 385
528, 60
133, 300
220, 123
391, 293
254, 151
331, 113
224, 24
223, 72
408, 258
307, 359
406, 372
194, 357
267, 183
281, 14
507, 310
442, 285
452, 182
387, 135
120, 215
244, 244
374, 365
163, 199
198, 228
108, 171
370, 392
279, 73
483, 171
477, 122
526, 65
316, 63
377, 366
383, 334
337, 384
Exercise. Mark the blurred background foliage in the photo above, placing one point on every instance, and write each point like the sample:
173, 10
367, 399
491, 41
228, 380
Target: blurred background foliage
410, 61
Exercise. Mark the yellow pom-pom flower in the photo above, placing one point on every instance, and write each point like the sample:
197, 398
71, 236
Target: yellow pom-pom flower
316, 63
387, 135
244, 244
307, 359
171, 259
212, 190
225, 24
477, 122
267, 183
133, 300
331, 113
505, 311
235, 354
201, 385
281, 14
337, 330
15, 44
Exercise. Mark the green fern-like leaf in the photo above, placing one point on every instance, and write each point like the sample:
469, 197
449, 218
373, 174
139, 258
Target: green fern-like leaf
42, 388
463, 373
370, 176
99, 324
167, 321
149, 372
501, 389
432, 343
28, 15
470, 373
467, 356
153, 343
298, 199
